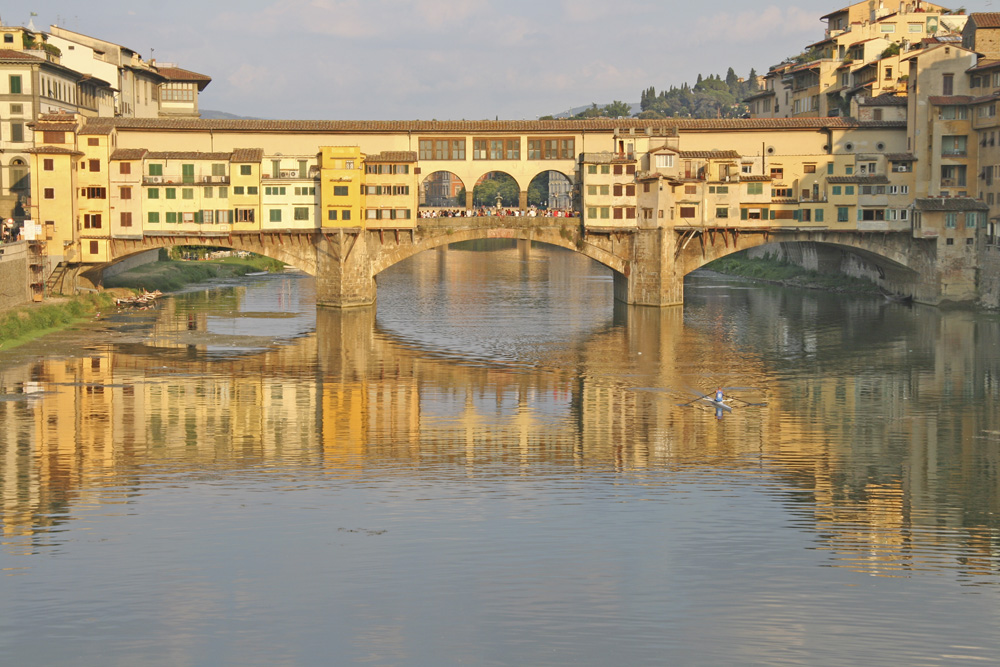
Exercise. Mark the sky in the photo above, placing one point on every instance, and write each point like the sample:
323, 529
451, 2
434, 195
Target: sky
440, 59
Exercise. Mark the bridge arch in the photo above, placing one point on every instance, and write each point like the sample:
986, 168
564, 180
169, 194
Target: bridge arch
551, 190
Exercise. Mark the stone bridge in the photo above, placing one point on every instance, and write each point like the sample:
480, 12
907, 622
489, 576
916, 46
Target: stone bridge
649, 265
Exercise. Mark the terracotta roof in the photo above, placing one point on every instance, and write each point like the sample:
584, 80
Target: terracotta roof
52, 149
128, 154
950, 100
950, 204
985, 19
247, 155
56, 118
53, 127
884, 100
900, 157
754, 178
711, 155
861, 179
11, 54
393, 156
194, 155
984, 63
178, 74
106, 125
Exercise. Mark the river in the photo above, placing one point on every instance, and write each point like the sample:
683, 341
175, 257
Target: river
493, 467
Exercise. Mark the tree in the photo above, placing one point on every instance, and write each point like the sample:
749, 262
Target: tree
618, 109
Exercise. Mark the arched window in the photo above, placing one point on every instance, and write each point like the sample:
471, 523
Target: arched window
20, 183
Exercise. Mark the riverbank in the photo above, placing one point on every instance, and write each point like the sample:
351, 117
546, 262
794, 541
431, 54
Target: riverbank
775, 272
26, 323
172, 275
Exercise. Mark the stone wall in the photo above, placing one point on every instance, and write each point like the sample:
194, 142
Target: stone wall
14, 287
129, 263
989, 277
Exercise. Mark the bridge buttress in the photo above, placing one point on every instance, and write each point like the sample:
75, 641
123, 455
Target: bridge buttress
344, 270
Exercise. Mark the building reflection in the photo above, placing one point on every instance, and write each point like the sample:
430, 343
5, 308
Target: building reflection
352, 397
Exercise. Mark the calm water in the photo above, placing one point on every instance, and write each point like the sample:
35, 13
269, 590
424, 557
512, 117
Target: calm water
492, 468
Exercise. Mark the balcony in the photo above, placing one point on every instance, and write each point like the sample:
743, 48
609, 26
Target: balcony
957, 152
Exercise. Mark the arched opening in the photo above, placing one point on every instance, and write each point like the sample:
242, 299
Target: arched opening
551, 191
441, 190
496, 189
20, 183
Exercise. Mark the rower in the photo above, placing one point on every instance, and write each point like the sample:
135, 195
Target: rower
718, 395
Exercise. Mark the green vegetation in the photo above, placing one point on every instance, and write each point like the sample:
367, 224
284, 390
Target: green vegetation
171, 275
616, 109
792, 275
23, 324
711, 97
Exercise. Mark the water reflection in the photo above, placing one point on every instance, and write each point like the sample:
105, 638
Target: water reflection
517, 381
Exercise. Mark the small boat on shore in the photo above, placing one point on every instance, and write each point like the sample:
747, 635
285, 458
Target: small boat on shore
143, 300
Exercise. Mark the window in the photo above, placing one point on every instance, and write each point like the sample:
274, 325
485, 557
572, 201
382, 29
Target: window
888, 27
208, 192
94, 193
171, 217
153, 193
809, 168
95, 247
50, 137
126, 218
244, 215
223, 193
15, 84
592, 168
171, 193
238, 189
245, 170
124, 167
301, 213
914, 27
721, 212
842, 214
951, 220
346, 215
687, 211
777, 172
835, 190
156, 170
442, 149
664, 161
206, 217
49, 193
971, 220
48, 164
592, 213
218, 169
340, 191
223, 217
819, 215
947, 84
552, 149
953, 145
251, 189
849, 190
94, 165
187, 173
331, 214
755, 188
91, 220
187, 193
275, 215
17, 132
605, 169
125, 192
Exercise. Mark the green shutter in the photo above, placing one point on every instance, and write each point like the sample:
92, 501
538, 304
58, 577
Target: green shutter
819, 215
744, 215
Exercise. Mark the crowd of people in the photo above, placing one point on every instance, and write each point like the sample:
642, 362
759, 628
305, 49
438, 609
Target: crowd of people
485, 212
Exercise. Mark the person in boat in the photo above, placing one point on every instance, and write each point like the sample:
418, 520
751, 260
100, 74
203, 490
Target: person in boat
718, 395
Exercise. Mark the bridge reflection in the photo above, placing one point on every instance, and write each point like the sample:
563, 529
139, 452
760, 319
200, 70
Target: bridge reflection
352, 397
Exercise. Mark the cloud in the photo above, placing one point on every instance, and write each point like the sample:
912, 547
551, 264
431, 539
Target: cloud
758, 25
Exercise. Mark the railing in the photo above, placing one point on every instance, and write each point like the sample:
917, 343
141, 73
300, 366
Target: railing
955, 153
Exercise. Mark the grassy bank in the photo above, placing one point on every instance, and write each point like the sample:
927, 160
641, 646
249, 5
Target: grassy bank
171, 275
20, 325
792, 275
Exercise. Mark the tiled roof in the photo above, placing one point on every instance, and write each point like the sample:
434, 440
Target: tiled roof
52, 149
984, 63
754, 178
877, 179
900, 157
247, 155
194, 155
950, 204
105, 125
11, 54
884, 100
711, 155
128, 154
393, 156
178, 74
605, 157
950, 100
56, 118
53, 127
985, 19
